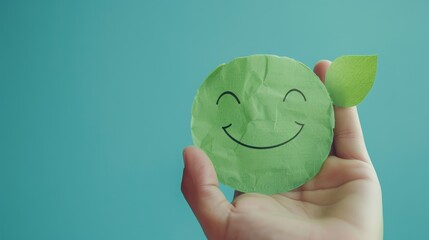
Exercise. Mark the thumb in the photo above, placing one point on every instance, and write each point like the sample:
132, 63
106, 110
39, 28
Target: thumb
201, 190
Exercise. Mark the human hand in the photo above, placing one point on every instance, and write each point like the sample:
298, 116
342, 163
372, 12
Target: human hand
342, 202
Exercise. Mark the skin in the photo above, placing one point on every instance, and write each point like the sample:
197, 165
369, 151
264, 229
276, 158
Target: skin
342, 202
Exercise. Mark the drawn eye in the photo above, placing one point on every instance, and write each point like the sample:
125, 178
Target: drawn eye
294, 90
228, 93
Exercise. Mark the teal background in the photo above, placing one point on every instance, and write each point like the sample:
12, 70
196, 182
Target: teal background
95, 100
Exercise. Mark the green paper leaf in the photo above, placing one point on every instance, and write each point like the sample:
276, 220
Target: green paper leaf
349, 79
266, 122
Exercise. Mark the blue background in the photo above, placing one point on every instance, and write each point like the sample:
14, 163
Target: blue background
95, 100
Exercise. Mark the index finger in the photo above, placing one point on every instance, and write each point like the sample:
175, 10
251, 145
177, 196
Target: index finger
348, 137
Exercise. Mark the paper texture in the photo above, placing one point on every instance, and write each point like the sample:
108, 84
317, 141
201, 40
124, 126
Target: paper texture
349, 79
266, 122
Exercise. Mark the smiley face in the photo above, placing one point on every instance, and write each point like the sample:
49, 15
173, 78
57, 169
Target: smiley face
225, 128
266, 122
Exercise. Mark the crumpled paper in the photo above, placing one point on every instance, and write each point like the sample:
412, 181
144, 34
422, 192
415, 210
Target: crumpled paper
266, 122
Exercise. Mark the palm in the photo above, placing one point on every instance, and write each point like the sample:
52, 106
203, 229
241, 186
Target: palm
335, 203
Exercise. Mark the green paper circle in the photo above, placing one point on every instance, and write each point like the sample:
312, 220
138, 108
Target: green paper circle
266, 123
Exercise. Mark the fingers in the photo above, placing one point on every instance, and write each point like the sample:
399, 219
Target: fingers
201, 191
348, 138
320, 69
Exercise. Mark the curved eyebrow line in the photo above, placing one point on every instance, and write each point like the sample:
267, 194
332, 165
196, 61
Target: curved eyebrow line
230, 93
295, 90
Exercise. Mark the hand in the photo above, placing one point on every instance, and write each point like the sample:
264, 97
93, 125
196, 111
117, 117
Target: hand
342, 202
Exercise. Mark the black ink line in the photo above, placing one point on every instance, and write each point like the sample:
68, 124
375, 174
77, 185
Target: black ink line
230, 93
295, 90
267, 147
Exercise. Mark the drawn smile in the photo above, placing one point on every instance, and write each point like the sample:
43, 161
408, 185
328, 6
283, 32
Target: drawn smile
263, 147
